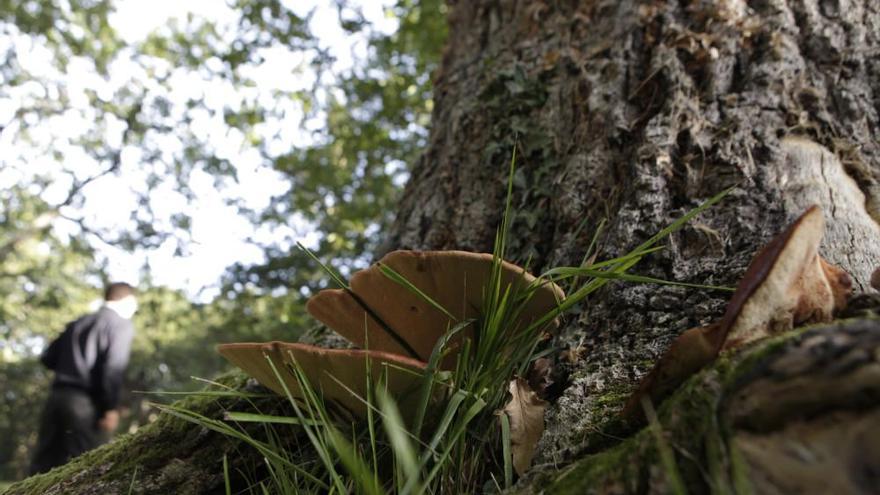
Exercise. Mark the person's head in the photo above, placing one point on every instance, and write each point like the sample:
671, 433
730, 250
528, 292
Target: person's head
118, 291
120, 297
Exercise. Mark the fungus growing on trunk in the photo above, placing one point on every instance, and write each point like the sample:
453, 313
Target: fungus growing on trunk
329, 371
397, 327
787, 284
397, 320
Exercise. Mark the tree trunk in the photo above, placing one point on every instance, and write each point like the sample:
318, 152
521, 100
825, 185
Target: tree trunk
634, 113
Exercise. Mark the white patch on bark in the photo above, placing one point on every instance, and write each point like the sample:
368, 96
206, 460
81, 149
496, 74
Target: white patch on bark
814, 175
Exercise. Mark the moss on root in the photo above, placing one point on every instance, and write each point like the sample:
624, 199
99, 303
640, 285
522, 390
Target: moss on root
696, 425
702, 424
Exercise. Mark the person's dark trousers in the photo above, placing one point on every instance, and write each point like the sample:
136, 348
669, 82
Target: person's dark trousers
68, 427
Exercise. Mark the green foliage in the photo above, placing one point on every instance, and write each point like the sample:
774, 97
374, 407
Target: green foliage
43, 284
348, 184
338, 143
43, 281
79, 28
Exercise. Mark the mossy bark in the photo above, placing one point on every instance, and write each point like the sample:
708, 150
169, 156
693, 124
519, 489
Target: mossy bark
171, 455
796, 414
799, 413
634, 112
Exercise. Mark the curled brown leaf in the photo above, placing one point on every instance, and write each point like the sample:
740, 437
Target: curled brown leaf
526, 414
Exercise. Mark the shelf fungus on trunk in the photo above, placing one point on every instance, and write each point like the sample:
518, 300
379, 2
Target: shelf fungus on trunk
338, 373
395, 319
787, 284
396, 327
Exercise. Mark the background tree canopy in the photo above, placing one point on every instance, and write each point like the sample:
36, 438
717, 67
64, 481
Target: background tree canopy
188, 108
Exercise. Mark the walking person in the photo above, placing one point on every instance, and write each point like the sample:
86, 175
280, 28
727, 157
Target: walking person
89, 360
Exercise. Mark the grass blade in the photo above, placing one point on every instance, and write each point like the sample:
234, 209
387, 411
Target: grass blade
134, 477
685, 218
243, 417
333, 275
428, 381
505, 450
627, 277
667, 456
398, 437
226, 481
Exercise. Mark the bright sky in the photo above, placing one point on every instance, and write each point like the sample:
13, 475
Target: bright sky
219, 234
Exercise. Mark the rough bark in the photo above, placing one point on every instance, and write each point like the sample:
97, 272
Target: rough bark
635, 112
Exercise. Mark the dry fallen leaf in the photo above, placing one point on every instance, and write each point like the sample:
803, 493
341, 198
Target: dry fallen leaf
526, 414
573, 354
787, 284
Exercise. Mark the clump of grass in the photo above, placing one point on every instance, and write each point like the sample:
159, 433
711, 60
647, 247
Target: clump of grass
454, 441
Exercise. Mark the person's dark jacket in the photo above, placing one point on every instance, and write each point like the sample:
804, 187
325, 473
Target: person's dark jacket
92, 354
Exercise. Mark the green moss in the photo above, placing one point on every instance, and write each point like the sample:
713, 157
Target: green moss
694, 429
744, 363
627, 466
592, 474
613, 398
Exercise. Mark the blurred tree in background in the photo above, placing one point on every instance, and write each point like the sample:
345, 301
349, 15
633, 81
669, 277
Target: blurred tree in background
336, 143
44, 282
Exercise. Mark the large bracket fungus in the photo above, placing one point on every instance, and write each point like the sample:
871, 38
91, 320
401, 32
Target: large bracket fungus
396, 328
396, 320
338, 373
787, 284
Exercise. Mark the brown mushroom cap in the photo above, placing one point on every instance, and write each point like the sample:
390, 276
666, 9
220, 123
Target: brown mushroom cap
321, 365
454, 279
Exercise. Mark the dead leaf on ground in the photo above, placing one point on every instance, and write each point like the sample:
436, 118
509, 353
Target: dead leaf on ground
787, 284
573, 354
526, 414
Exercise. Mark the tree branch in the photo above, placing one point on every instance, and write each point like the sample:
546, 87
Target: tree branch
44, 221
